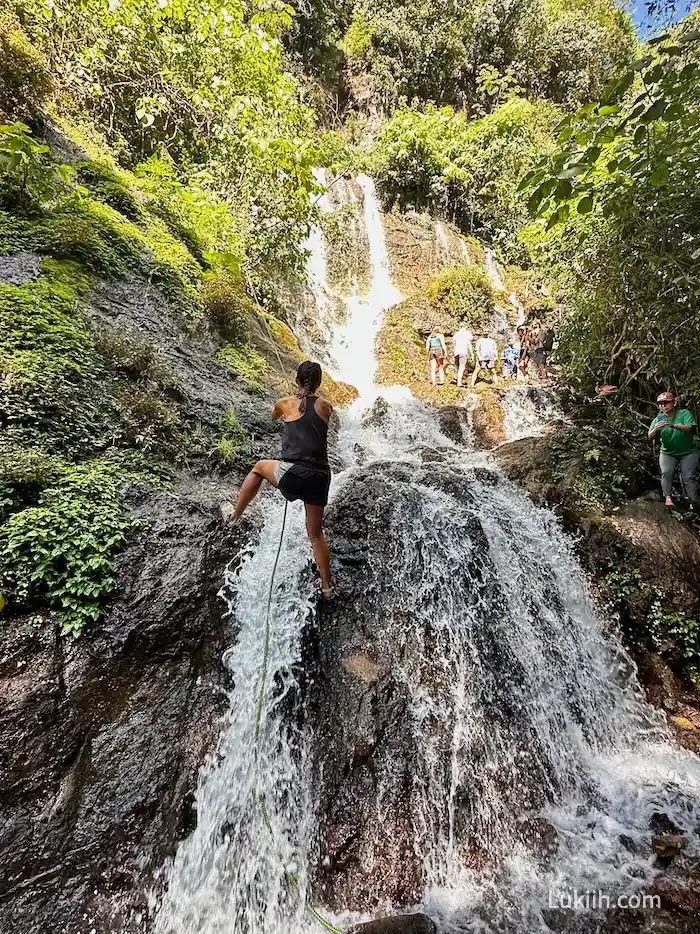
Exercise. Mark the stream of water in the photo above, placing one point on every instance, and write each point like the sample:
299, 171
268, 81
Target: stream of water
527, 646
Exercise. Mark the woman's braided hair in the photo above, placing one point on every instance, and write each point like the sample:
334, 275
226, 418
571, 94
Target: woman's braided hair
308, 380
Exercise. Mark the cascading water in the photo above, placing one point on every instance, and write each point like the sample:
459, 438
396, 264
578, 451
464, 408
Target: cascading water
493, 271
520, 709
353, 344
442, 244
529, 410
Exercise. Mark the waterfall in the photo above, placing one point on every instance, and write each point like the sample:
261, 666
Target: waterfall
464, 249
521, 709
352, 346
442, 244
529, 410
493, 271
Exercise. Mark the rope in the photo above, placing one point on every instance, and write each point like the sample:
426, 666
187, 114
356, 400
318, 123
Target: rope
291, 878
266, 639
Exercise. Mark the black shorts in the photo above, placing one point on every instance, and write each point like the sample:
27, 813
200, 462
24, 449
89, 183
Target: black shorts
538, 356
299, 481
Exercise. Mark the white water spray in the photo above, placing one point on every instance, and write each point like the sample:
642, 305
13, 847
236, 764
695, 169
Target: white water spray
353, 344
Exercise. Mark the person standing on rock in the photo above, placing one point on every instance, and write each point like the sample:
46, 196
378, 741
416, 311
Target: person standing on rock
302, 472
437, 351
676, 429
462, 344
486, 354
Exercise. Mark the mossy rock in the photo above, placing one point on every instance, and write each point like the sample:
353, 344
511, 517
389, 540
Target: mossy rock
25, 77
487, 417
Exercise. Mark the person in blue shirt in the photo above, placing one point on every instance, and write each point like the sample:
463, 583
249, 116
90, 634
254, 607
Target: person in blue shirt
509, 358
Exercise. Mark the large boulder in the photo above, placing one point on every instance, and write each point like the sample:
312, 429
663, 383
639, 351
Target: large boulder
102, 738
402, 924
382, 671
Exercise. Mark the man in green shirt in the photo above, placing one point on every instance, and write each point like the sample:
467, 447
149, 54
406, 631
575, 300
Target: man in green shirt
676, 429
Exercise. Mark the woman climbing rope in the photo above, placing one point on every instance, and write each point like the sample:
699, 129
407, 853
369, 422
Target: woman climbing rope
302, 472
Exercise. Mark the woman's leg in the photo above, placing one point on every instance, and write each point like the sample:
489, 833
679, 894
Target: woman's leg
314, 529
433, 369
668, 467
263, 470
441, 372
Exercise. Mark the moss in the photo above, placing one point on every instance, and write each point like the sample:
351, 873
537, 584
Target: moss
226, 305
174, 268
106, 243
245, 361
25, 78
80, 229
109, 185
48, 360
487, 416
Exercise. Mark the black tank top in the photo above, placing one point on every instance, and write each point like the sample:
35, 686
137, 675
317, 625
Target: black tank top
305, 440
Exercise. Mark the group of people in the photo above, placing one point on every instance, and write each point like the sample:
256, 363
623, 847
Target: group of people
302, 470
532, 345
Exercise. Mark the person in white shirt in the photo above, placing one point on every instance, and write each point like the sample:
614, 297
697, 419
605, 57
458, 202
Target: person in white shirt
462, 343
486, 354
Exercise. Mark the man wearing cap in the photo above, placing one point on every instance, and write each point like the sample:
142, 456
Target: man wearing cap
676, 430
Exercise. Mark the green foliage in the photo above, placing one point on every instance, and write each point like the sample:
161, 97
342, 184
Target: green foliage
464, 293
465, 171
620, 232
61, 551
48, 359
665, 627
245, 360
28, 175
226, 305
24, 74
358, 39
25, 470
109, 185
234, 442
440, 50
606, 149
219, 105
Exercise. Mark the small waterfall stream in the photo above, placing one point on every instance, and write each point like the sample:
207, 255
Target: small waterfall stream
522, 705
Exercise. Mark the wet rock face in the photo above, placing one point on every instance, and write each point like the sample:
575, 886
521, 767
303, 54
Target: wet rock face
19, 268
373, 659
101, 739
405, 924
454, 422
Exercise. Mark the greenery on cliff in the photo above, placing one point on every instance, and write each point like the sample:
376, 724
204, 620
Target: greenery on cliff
193, 178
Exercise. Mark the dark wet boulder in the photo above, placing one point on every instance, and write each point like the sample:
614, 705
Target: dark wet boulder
380, 655
402, 924
102, 738
454, 422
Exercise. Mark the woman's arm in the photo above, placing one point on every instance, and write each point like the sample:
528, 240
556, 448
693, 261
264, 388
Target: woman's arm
444, 345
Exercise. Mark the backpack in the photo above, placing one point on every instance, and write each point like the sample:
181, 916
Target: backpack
547, 339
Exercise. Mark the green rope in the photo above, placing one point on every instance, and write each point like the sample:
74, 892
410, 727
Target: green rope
266, 641
291, 878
